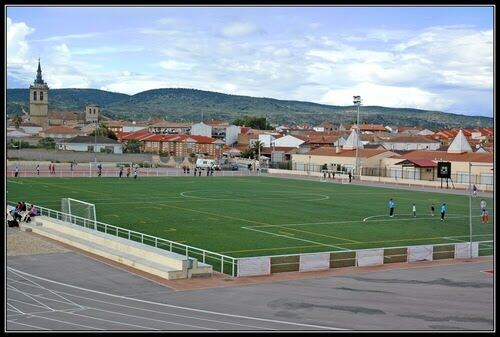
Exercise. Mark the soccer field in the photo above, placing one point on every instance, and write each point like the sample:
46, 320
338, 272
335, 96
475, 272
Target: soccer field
257, 215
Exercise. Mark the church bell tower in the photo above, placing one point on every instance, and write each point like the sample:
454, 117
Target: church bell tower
39, 99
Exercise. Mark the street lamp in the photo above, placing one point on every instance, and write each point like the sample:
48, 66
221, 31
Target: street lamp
357, 101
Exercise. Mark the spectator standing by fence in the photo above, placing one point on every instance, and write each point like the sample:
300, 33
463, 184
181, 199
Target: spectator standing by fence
135, 173
37, 169
121, 171
16, 171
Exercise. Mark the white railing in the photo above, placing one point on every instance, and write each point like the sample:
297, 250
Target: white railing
205, 256
114, 172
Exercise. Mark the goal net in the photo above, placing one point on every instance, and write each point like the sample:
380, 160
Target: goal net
78, 212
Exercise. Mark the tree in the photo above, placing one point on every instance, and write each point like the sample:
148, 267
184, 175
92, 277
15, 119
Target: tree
247, 153
17, 120
103, 130
258, 145
132, 146
260, 123
14, 144
47, 143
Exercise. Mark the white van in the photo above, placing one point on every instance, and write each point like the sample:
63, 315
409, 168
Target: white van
205, 163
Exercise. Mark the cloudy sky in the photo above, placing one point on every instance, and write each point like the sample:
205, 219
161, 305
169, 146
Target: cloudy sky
438, 58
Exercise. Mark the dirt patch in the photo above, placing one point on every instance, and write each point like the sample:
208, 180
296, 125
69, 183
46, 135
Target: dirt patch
25, 243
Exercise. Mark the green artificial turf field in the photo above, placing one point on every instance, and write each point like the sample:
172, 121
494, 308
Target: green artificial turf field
255, 216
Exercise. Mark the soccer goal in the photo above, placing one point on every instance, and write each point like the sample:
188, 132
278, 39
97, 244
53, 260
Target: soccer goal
78, 212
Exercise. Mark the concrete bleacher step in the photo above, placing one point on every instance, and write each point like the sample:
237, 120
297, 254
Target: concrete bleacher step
143, 264
153, 260
174, 260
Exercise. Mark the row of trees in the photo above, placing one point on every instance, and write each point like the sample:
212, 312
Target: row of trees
260, 123
44, 143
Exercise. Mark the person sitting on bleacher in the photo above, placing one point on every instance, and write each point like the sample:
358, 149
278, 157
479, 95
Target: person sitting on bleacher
16, 213
33, 211
11, 220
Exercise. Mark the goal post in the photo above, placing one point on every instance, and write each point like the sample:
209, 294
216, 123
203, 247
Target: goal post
78, 212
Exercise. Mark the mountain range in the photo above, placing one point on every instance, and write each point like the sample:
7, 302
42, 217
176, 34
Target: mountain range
176, 104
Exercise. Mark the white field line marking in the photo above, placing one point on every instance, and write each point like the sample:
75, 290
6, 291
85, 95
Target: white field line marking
27, 303
45, 312
450, 239
289, 237
166, 305
257, 197
66, 322
42, 287
28, 325
16, 309
358, 221
111, 321
184, 316
328, 236
30, 297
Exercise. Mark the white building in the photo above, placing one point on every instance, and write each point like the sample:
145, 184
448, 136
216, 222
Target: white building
201, 129
460, 144
406, 143
232, 132
353, 142
288, 141
90, 144
266, 140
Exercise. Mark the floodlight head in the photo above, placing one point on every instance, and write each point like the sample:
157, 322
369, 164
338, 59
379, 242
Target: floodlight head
356, 99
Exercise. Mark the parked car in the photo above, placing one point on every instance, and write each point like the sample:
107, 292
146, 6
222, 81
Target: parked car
234, 167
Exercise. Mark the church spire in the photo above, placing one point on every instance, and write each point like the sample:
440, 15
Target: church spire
39, 79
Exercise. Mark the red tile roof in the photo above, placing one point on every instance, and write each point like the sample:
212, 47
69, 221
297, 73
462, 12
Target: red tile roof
61, 130
331, 151
442, 155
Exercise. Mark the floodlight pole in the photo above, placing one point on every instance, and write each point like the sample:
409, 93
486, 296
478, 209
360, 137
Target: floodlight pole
470, 211
357, 101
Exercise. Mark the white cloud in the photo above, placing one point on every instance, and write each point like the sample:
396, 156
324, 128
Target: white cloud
128, 83
389, 96
237, 29
69, 36
107, 50
17, 46
176, 65
63, 51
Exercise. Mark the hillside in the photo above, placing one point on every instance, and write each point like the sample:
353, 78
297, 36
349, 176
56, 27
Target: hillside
189, 104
